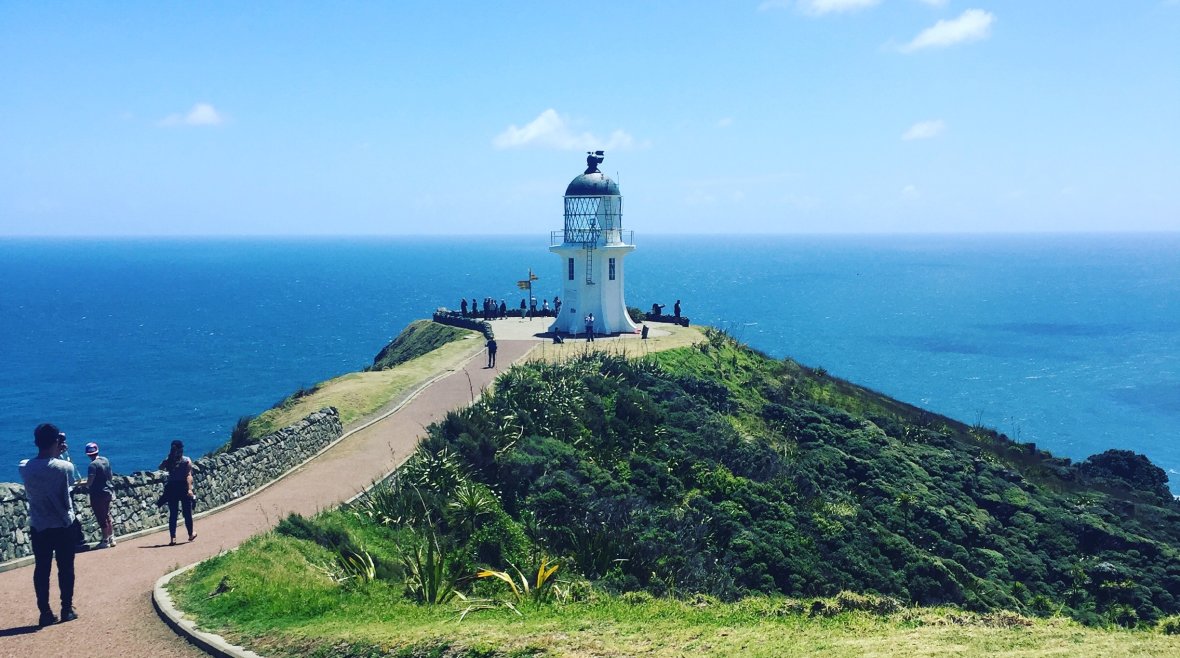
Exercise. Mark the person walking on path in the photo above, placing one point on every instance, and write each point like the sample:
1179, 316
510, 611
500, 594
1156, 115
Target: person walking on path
98, 484
47, 481
491, 352
178, 490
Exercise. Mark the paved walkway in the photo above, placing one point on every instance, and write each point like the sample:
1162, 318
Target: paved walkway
113, 592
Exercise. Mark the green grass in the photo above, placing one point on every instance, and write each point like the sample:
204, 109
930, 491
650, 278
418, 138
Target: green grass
278, 603
359, 394
276, 595
418, 338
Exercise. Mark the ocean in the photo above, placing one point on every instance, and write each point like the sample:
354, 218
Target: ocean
1068, 341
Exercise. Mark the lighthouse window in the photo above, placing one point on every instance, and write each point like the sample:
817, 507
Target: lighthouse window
612, 269
571, 269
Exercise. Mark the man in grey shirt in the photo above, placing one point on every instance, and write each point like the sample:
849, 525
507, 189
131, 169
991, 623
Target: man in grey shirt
98, 483
51, 517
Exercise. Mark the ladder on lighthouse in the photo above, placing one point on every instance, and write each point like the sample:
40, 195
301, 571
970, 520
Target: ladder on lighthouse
589, 247
589, 244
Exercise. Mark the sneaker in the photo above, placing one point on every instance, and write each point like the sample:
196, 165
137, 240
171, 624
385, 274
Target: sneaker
111, 543
68, 614
102, 544
46, 619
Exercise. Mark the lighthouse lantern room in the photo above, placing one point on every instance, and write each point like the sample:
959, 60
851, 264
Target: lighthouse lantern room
592, 246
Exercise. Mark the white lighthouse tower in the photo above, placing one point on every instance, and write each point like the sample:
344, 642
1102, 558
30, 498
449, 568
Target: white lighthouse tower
592, 246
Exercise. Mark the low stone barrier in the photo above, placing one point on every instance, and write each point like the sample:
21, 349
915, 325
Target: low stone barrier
217, 479
681, 320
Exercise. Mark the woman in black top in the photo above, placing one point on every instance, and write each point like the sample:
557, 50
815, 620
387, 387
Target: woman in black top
178, 490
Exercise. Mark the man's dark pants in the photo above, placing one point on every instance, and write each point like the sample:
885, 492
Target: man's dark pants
46, 544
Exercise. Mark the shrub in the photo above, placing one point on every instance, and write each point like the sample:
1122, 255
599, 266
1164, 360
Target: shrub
241, 435
1169, 625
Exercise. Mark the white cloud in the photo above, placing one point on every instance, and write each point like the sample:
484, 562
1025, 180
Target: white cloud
818, 7
925, 130
972, 25
202, 114
551, 130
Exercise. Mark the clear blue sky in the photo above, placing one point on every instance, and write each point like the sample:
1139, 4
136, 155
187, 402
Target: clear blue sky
777, 116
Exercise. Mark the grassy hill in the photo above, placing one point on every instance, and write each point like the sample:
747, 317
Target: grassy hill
418, 338
768, 508
420, 351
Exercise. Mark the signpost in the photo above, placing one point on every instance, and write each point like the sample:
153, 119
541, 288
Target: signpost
527, 284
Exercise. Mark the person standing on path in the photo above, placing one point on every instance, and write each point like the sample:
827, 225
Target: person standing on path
491, 352
178, 490
676, 309
98, 483
590, 328
47, 481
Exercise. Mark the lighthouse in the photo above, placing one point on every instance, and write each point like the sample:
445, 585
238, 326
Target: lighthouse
592, 245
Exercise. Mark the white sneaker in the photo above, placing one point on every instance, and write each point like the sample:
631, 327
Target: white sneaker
111, 542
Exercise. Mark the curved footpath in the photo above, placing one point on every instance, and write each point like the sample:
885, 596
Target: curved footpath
113, 591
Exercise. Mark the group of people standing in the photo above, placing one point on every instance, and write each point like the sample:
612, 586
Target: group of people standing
55, 530
489, 310
493, 310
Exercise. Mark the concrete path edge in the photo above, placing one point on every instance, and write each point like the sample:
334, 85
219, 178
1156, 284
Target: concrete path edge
210, 643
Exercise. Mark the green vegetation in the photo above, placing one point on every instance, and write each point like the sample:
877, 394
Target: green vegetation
274, 596
418, 338
711, 500
422, 350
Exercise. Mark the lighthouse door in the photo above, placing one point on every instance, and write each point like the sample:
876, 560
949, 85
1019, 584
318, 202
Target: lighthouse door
570, 308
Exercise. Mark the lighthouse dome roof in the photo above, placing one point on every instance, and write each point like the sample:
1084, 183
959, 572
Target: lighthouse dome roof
592, 184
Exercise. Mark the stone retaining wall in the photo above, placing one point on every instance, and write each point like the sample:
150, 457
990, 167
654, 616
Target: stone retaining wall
217, 479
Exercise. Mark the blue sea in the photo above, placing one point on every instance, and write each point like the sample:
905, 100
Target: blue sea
1069, 341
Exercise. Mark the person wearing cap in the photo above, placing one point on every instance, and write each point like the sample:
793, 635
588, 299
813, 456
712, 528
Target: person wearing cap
98, 482
47, 480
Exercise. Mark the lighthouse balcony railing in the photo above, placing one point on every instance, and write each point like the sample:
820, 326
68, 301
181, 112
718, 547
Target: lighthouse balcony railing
597, 237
